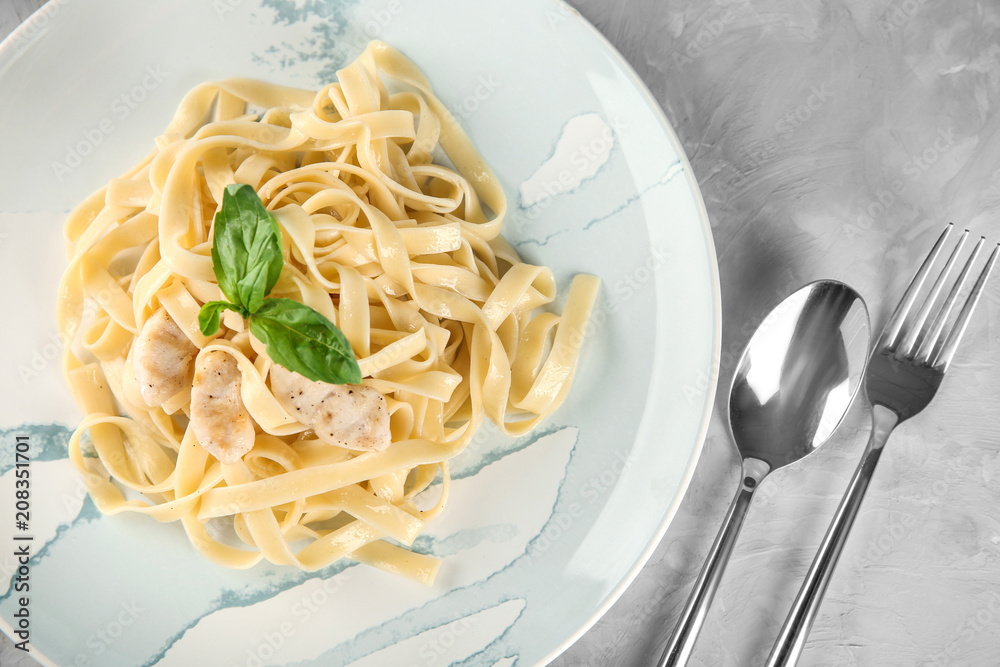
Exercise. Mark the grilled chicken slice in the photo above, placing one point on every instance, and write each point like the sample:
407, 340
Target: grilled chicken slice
347, 415
162, 357
219, 419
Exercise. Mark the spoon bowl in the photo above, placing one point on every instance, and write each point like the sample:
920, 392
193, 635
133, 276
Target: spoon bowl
794, 384
799, 373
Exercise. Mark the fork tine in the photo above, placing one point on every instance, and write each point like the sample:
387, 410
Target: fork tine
934, 340
948, 351
911, 338
895, 323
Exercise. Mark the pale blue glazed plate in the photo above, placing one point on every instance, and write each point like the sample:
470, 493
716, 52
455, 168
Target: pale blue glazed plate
542, 533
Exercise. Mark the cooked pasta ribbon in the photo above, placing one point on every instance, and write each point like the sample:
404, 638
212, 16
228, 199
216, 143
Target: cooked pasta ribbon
403, 254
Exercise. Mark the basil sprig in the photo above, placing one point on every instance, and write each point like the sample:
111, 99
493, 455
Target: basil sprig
247, 260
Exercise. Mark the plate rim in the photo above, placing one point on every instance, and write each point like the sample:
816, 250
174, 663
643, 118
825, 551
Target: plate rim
709, 406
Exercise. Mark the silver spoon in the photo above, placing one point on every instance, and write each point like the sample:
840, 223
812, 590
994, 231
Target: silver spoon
796, 380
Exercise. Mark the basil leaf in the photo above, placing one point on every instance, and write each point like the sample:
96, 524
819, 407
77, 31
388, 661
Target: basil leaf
246, 252
304, 341
210, 315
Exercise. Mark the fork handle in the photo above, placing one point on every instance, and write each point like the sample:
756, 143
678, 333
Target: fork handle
792, 638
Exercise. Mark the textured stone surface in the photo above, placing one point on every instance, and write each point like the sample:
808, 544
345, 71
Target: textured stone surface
831, 140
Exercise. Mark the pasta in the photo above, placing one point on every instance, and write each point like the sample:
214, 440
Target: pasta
401, 252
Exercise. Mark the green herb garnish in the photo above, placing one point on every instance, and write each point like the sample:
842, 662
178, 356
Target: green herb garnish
246, 254
247, 261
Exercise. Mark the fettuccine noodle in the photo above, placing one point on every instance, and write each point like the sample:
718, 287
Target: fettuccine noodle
404, 255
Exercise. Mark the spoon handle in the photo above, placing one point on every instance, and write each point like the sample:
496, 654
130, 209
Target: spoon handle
681, 643
792, 638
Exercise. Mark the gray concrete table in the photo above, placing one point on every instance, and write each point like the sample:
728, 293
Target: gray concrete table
831, 140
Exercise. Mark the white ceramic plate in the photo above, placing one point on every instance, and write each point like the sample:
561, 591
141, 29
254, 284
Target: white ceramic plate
542, 533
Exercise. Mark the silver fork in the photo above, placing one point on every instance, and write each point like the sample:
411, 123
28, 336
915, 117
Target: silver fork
904, 373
